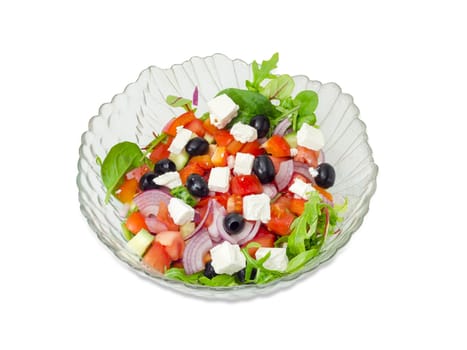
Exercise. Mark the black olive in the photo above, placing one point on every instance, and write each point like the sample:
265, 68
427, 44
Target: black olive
326, 175
197, 185
197, 146
209, 270
242, 274
264, 169
164, 166
233, 223
146, 182
261, 124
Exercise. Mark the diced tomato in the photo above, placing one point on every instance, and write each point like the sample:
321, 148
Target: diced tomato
203, 161
210, 129
182, 120
196, 126
283, 201
173, 243
127, 190
164, 216
219, 158
307, 156
264, 238
324, 193
234, 147
281, 220
221, 198
223, 137
161, 151
297, 206
245, 184
235, 204
193, 168
157, 257
253, 148
277, 146
136, 222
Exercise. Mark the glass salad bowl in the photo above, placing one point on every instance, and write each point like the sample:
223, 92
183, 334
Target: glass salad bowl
141, 109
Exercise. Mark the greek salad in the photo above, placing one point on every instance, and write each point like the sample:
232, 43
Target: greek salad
237, 195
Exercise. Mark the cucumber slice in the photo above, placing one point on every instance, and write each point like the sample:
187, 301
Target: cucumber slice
180, 160
291, 139
209, 138
140, 242
186, 229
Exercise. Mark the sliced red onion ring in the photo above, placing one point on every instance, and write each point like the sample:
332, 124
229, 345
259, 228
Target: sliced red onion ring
321, 157
148, 201
302, 169
155, 225
217, 210
194, 252
284, 174
270, 190
195, 96
200, 225
243, 238
282, 127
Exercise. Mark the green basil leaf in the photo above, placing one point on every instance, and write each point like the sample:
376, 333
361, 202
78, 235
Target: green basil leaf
250, 104
309, 119
279, 88
121, 158
307, 100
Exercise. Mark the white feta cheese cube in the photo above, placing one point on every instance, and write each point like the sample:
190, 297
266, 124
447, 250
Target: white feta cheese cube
170, 179
231, 161
277, 261
180, 212
256, 207
180, 140
243, 163
310, 137
244, 132
301, 188
222, 110
219, 179
227, 258
313, 172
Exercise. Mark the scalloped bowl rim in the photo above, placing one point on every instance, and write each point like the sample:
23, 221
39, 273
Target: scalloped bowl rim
240, 291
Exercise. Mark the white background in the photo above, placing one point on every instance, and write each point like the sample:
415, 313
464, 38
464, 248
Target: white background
399, 283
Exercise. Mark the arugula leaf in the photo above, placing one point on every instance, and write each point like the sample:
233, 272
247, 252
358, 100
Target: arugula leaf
177, 101
301, 259
182, 193
222, 280
262, 72
179, 274
304, 226
157, 140
250, 104
279, 88
121, 158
